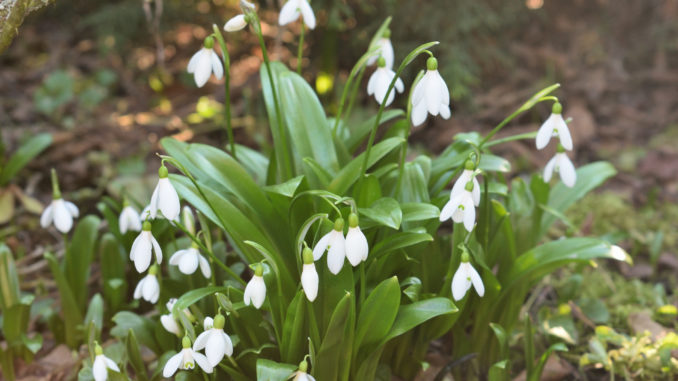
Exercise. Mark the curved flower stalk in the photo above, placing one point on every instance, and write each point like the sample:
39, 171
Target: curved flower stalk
255, 291
465, 277
554, 125
169, 323
561, 163
295, 8
143, 247
216, 342
380, 81
186, 359
335, 241
188, 260
356, 243
60, 212
384, 50
129, 219
309, 276
300, 374
430, 95
102, 364
148, 287
461, 207
205, 62
165, 198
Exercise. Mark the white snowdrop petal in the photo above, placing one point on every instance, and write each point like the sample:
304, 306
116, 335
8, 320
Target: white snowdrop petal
193, 62
99, 370
170, 324
371, 83
387, 52
356, 246
188, 263
259, 292
469, 213
63, 220
460, 283
444, 91
208, 323
399, 85
217, 68
203, 69
309, 281
235, 24
545, 132
156, 248
168, 199
307, 12
321, 246
172, 365
476, 281
433, 95
567, 172
153, 205
447, 211
138, 289
205, 267
228, 344
420, 89
110, 364
141, 252
288, 13
460, 185
476, 192
201, 340
445, 111
176, 257
336, 253
150, 287
215, 348
72, 209
419, 113
47, 216
548, 170
563, 132
202, 361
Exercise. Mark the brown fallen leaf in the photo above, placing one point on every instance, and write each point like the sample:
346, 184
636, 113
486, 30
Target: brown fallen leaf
642, 321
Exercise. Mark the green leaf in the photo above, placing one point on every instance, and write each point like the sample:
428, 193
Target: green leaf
367, 191
398, 241
95, 313
188, 299
142, 327
359, 133
294, 332
79, 257
15, 322
254, 162
287, 189
499, 371
113, 263
268, 370
9, 281
334, 357
69, 307
588, 177
32, 344
351, 171
385, 211
412, 315
6, 205
502, 337
419, 211
28, 150
377, 313
134, 356
536, 374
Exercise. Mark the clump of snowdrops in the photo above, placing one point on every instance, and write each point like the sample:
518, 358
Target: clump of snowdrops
333, 256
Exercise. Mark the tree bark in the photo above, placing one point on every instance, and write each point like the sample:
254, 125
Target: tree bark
12, 14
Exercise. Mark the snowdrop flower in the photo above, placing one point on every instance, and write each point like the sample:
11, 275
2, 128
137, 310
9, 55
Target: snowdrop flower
129, 219
356, 243
59, 212
337, 247
561, 164
186, 359
465, 277
461, 208
430, 95
102, 364
148, 287
236, 23
143, 247
467, 175
295, 8
381, 80
215, 341
385, 50
301, 375
168, 321
164, 197
309, 276
255, 292
204, 62
554, 125
188, 260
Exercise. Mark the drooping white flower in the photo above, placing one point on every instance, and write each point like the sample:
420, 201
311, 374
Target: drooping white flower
300, 374
186, 359
465, 277
554, 125
561, 164
461, 208
216, 342
129, 219
102, 364
379, 82
61, 213
143, 247
467, 175
165, 197
188, 260
337, 247
295, 8
430, 95
204, 62
255, 291
309, 276
236, 23
148, 287
170, 323
385, 50
356, 243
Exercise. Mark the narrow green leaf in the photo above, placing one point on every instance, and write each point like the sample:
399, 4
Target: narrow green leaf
377, 313
398, 241
28, 150
268, 370
412, 315
9, 281
385, 211
334, 357
134, 356
78, 258
294, 333
69, 307
95, 313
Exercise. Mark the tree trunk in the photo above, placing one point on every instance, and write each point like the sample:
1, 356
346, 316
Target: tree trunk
12, 13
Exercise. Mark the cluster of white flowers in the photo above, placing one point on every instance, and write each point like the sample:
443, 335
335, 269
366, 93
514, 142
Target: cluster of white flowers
555, 125
354, 246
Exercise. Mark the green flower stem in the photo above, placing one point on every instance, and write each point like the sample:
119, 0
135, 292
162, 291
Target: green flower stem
363, 286
314, 331
227, 87
287, 164
300, 51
